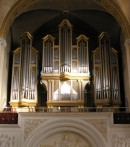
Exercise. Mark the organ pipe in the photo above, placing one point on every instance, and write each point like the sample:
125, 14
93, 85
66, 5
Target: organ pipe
24, 75
106, 74
65, 43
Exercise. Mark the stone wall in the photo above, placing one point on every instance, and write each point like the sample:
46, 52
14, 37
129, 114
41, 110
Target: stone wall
65, 130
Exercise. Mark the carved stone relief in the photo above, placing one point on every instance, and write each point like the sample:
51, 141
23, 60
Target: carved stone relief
30, 125
65, 139
121, 141
100, 125
7, 141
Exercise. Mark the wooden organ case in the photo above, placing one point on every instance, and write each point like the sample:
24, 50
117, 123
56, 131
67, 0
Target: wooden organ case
65, 68
106, 73
24, 74
65, 71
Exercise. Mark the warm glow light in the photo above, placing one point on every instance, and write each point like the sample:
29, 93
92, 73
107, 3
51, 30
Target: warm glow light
56, 92
66, 93
56, 95
74, 71
65, 88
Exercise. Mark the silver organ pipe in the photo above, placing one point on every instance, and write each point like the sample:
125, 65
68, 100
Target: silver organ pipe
25, 58
65, 42
65, 58
48, 47
15, 76
83, 62
115, 78
58, 60
106, 74
24, 76
105, 68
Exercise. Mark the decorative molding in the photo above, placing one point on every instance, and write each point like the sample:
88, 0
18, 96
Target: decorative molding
7, 141
100, 125
120, 141
30, 125
65, 139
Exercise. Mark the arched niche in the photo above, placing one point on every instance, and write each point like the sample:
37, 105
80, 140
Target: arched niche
55, 133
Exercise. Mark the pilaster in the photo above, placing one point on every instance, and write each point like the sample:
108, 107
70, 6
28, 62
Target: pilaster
127, 79
2, 60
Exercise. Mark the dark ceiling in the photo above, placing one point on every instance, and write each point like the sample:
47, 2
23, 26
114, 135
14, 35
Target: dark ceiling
44, 17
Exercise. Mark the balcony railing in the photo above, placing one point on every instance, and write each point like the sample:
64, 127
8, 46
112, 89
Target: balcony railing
66, 109
10, 115
84, 109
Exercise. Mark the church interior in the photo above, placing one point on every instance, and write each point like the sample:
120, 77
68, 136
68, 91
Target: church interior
65, 74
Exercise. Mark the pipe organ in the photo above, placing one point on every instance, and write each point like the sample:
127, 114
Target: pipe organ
65, 70
106, 73
24, 74
65, 67
65, 43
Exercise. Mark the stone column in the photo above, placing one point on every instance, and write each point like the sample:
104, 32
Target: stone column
2, 60
127, 74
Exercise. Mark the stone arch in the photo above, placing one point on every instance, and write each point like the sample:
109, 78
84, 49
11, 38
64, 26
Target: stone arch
110, 6
65, 126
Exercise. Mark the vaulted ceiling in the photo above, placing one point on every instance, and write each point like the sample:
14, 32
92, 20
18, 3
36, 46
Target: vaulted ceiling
45, 16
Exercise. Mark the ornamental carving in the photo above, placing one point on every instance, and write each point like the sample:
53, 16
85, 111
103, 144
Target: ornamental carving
7, 141
30, 125
100, 125
121, 141
66, 139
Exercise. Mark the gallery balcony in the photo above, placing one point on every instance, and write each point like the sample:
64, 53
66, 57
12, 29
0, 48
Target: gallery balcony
11, 115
